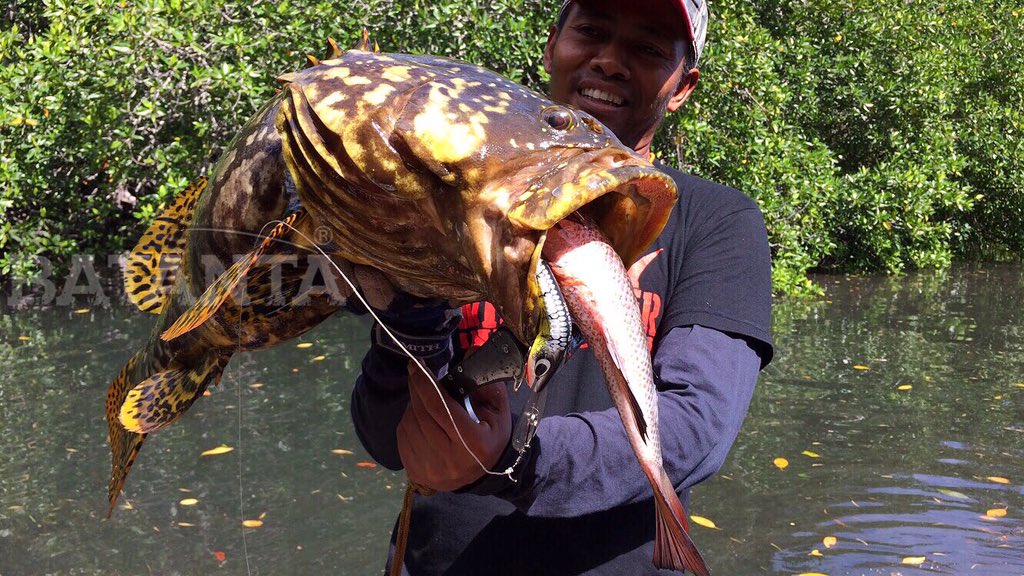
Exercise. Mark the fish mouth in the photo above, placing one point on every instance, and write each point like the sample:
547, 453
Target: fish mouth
622, 195
629, 202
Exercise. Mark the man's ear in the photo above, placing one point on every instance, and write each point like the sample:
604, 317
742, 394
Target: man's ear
549, 48
686, 85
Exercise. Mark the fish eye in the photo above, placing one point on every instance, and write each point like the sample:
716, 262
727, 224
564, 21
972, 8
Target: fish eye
558, 118
541, 367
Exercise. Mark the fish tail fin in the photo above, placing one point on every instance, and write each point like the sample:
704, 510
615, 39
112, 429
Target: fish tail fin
124, 445
167, 389
673, 548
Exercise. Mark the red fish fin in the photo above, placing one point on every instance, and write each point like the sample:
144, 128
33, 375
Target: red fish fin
153, 264
164, 397
673, 548
220, 290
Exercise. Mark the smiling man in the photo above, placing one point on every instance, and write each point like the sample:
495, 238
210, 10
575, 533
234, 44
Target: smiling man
581, 504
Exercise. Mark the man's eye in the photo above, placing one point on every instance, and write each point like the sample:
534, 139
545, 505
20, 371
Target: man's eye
651, 50
588, 30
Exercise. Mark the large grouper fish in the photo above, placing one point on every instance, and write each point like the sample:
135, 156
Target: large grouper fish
443, 178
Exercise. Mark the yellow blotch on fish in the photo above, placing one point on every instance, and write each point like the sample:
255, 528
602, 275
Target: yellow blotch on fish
378, 95
396, 74
449, 141
356, 80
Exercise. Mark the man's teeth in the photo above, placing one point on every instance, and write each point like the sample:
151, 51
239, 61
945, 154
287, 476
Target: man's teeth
602, 95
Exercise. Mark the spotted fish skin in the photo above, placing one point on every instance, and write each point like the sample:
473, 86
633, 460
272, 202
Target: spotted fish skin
440, 175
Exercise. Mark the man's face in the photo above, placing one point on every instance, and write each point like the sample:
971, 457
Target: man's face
623, 64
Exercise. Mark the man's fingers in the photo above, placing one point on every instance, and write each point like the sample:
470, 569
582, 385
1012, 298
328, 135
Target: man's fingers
434, 428
491, 404
438, 404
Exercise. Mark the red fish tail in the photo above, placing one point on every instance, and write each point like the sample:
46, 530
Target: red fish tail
673, 548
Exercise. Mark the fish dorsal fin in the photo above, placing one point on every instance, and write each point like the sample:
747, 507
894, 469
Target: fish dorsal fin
153, 264
225, 285
333, 51
363, 43
163, 397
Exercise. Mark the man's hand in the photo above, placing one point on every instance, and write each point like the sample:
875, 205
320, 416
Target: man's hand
430, 449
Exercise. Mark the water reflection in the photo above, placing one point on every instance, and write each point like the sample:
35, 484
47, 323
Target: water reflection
898, 403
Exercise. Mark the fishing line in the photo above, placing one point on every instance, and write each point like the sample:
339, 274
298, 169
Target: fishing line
437, 388
241, 492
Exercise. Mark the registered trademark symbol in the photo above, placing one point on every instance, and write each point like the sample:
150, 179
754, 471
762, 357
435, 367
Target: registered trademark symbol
322, 235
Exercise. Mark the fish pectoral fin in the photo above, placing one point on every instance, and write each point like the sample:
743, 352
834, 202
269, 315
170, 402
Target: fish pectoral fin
165, 396
228, 282
153, 264
634, 404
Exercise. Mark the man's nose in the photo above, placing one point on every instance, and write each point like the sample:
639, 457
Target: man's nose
611, 61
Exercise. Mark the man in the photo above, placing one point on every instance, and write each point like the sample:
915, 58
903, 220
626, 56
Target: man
580, 503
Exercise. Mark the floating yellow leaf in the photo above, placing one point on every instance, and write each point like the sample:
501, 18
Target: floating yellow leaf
24, 338
186, 524
304, 345
914, 560
252, 523
815, 552
829, 541
954, 494
366, 464
256, 385
189, 502
82, 311
320, 358
860, 367
996, 513
904, 387
222, 449
342, 452
31, 122
810, 454
998, 479
702, 521
1019, 384
781, 463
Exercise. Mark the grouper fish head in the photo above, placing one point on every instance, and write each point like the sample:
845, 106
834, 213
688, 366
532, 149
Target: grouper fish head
446, 176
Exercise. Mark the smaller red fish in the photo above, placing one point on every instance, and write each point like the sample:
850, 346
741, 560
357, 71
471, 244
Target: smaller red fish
598, 292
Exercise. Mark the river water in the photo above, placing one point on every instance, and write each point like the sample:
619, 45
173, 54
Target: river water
887, 437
